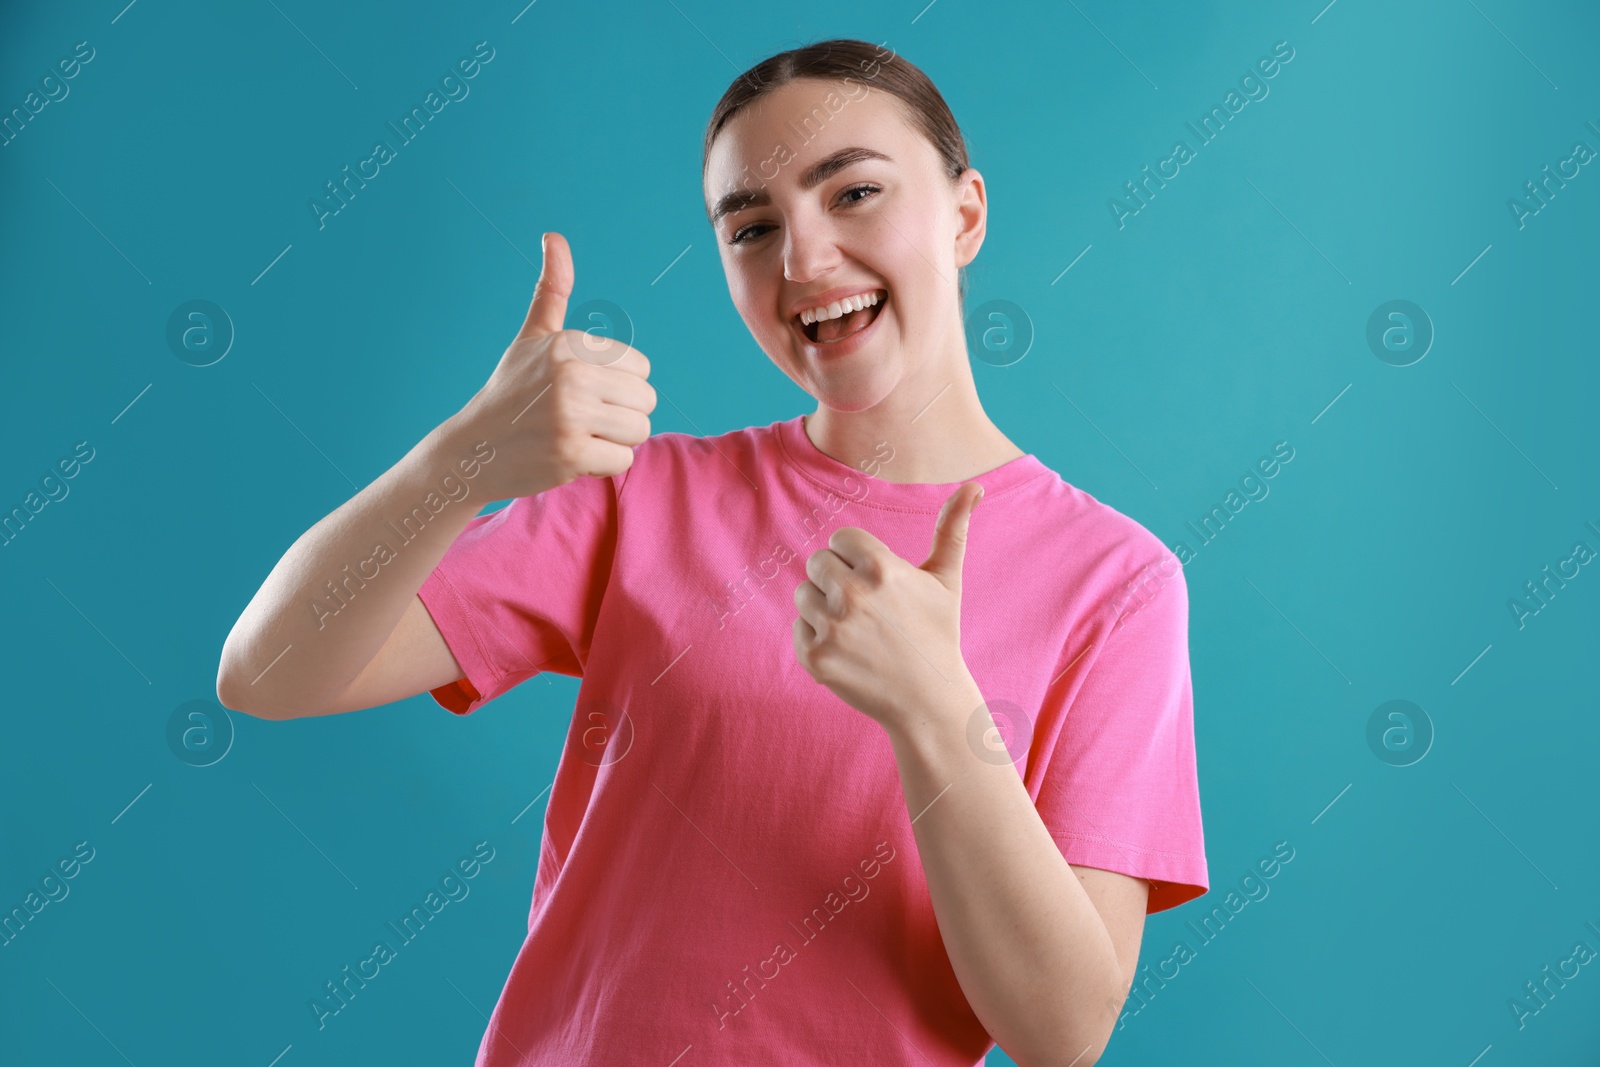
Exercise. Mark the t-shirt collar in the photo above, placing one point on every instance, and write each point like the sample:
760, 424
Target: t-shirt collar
858, 486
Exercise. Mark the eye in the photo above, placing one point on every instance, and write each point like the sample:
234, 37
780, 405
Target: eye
743, 234
866, 187
740, 237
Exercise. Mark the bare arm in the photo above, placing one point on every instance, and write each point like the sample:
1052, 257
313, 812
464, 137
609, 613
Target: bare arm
298, 648
1044, 958
338, 625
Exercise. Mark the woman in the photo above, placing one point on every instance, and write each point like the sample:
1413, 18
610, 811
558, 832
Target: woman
859, 772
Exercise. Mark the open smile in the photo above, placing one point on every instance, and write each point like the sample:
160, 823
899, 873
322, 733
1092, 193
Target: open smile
840, 321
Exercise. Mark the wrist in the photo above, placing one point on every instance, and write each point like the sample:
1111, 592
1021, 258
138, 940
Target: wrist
938, 724
453, 450
450, 439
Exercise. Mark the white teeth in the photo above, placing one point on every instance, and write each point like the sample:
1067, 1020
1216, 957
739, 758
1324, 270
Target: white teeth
838, 308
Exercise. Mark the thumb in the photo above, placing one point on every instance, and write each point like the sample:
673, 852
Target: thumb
548, 313
950, 535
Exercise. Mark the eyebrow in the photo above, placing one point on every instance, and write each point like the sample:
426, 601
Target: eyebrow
812, 177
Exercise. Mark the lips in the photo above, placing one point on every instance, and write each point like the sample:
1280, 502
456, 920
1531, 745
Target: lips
866, 317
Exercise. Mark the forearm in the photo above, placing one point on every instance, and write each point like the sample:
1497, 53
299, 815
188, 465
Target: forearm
1027, 945
332, 601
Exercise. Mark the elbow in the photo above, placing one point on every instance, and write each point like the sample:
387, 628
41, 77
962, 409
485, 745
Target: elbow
1089, 1056
1075, 1054
1085, 1039
1068, 1054
1078, 1052
231, 695
1095, 1033
236, 682
227, 698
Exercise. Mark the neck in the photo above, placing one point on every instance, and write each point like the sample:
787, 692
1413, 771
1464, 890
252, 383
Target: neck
937, 429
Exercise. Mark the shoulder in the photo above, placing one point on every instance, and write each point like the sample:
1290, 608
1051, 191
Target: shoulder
1096, 531
1106, 553
747, 450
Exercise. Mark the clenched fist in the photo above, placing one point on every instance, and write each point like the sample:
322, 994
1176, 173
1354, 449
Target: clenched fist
562, 403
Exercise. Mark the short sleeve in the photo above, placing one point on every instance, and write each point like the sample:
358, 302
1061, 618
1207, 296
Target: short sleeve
1120, 791
518, 592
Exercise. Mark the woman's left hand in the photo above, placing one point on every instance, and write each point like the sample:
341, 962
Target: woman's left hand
880, 632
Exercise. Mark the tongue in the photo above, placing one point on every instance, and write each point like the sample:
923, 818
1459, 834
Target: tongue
845, 325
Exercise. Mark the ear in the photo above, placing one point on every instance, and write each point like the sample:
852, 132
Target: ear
972, 213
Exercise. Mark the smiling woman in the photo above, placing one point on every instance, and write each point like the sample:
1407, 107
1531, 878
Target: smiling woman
857, 148
844, 705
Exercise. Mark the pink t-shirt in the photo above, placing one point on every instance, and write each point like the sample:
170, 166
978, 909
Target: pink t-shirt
717, 813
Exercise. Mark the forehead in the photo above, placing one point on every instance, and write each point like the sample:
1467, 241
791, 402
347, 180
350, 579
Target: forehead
772, 141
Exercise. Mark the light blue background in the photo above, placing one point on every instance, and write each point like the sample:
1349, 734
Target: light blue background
1228, 315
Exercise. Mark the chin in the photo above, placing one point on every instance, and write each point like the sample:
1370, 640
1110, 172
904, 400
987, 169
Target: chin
851, 396
861, 389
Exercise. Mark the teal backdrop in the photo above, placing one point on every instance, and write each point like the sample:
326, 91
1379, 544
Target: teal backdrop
1382, 261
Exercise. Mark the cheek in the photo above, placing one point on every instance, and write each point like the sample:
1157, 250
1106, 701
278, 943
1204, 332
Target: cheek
744, 299
908, 230
755, 300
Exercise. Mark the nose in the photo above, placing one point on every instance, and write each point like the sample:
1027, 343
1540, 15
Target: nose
809, 250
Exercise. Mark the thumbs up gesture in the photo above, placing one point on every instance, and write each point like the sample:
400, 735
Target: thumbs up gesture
883, 634
562, 403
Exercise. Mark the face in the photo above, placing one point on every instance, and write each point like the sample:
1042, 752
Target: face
888, 223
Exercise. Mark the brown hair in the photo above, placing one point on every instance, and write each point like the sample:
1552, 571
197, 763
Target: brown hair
846, 58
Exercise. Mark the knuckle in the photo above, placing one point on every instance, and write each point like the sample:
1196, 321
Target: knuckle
871, 569
599, 350
560, 413
564, 447
569, 372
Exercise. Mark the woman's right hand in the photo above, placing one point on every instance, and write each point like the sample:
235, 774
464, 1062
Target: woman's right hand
562, 403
